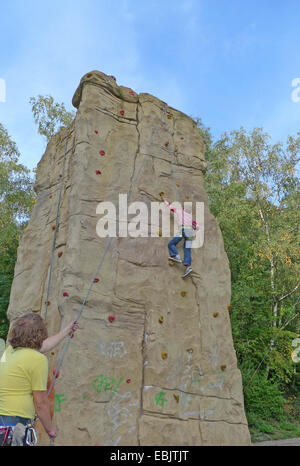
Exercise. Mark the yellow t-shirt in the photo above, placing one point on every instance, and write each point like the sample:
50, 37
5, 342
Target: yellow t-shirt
22, 370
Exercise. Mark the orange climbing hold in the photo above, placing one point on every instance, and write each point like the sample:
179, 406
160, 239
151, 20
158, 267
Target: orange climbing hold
60, 253
50, 196
101, 152
53, 227
48, 303
183, 293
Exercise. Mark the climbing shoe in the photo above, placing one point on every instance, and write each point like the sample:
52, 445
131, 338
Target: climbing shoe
188, 270
175, 259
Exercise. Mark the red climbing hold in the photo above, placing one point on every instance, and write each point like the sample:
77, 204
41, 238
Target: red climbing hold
131, 92
111, 319
96, 132
128, 380
57, 373
60, 175
96, 280
65, 293
60, 253
98, 172
122, 112
101, 152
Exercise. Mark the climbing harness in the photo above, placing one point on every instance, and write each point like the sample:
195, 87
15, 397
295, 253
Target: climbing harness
18, 435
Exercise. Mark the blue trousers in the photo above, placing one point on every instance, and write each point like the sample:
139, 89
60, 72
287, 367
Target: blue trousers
186, 247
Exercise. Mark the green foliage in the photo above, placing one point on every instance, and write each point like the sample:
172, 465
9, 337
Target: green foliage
50, 116
16, 201
253, 190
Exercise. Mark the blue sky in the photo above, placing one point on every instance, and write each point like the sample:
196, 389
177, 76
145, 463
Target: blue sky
230, 62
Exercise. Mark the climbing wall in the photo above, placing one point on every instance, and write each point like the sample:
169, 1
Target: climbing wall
153, 361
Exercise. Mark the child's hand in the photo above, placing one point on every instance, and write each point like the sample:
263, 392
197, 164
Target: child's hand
72, 327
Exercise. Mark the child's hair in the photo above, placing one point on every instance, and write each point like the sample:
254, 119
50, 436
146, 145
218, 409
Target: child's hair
28, 331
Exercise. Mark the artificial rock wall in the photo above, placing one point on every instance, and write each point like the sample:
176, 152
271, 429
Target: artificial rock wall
153, 361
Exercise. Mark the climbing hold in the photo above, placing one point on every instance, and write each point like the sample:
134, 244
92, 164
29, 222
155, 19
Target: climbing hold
48, 303
60, 175
164, 355
70, 135
176, 397
166, 143
101, 152
52, 353
96, 131
161, 193
228, 307
182, 137
122, 112
215, 314
71, 334
223, 367
161, 319
190, 350
169, 116
60, 253
111, 319
128, 380
53, 227
57, 374
50, 196
89, 75
187, 196
159, 232
177, 184
96, 280
183, 293
65, 293
98, 172
131, 92
171, 263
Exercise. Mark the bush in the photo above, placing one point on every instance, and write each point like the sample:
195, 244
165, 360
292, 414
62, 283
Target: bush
262, 396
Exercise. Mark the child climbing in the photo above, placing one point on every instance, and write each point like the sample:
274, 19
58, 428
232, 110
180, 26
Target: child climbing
187, 226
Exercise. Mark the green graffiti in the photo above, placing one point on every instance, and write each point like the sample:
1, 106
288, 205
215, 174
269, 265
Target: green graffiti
103, 384
58, 399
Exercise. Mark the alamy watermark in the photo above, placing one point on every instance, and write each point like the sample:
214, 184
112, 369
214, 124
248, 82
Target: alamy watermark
296, 351
296, 92
139, 219
2, 90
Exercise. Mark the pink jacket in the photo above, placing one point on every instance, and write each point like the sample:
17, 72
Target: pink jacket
184, 218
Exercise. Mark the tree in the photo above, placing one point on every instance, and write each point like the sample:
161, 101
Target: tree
16, 201
253, 189
50, 116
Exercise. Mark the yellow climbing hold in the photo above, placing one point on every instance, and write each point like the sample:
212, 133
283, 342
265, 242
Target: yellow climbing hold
171, 263
183, 293
223, 367
166, 143
177, 184
164, 355
176, 397
228, 307
169, 116
159, 232
215, 314
161, 193
161, 319
187, 196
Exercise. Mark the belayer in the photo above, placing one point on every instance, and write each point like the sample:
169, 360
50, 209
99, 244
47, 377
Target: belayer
23, 380
187, 227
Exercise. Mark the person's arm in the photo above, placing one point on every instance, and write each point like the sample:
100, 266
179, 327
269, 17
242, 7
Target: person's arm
167, 203
51, 342
42, 408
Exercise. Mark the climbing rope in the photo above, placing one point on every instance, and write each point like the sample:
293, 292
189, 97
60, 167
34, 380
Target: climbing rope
172, 156
56, 224
102, 260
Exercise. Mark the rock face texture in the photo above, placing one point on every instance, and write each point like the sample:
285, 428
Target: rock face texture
153, 361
